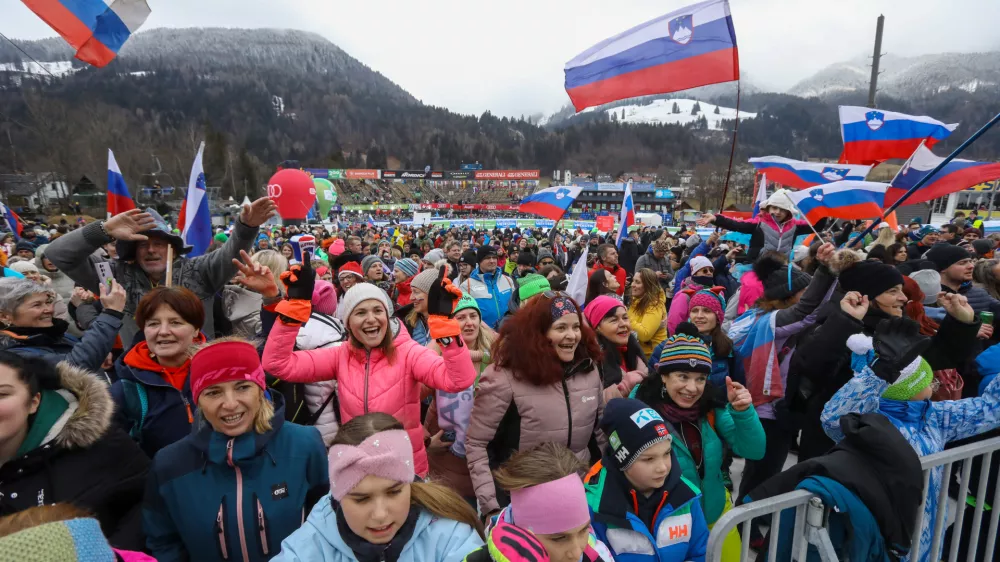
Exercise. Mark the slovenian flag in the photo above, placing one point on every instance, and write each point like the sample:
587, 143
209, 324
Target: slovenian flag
13, 221
96, 29
119, 199
627, 217
551, 203
758, 203
796, 174
872, 135
691, 47
194, 215
955, 176
848, 200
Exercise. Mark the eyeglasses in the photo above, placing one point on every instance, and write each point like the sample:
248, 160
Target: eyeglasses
554, 294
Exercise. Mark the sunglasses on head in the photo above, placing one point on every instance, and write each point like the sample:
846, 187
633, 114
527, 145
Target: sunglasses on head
554, 294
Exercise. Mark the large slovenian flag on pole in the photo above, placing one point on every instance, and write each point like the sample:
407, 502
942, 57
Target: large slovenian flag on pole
119, 199
551, 202
872, 135
850, 200
627, 217
194, 217
955, 176
796, 174
690, 47
96, 29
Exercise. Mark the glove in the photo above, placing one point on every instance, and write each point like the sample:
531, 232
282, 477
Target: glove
897, 343
441, 301
299, 281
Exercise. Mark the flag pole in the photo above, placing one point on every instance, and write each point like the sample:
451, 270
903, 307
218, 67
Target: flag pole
732, 148
975, 136
805, 218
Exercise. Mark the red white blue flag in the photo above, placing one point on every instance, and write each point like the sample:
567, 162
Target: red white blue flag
13, 221
627, 217
849, 200
96, 29
551, 202
119, 199
955, 176
796, 174
194, 218
761, 198
873, 135
690, 47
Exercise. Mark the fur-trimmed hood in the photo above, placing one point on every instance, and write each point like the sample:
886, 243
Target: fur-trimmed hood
94, 409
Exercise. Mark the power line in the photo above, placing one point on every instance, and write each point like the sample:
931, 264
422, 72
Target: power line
18, 47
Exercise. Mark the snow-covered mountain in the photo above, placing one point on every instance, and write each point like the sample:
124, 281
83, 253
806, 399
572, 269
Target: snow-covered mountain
674, 111
907, 77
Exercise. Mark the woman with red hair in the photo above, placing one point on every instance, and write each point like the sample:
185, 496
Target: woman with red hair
543, 386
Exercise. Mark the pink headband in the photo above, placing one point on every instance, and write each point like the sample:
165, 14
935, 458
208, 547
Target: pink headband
552, 507
387, 454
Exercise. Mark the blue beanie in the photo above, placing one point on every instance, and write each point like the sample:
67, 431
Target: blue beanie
407, 266
631, 427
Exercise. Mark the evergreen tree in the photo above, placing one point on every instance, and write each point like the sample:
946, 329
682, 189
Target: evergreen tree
696, 108
676, 108
717, 110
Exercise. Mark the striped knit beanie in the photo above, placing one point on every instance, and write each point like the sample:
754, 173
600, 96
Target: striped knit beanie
70, 541
684, 352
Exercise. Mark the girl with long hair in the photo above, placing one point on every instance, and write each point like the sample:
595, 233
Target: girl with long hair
543, 386
896, 253
648, 310
376, 511
548, 518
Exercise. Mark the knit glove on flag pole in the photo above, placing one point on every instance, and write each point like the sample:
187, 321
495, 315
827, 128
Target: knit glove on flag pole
897, 343
441, 300
299, 281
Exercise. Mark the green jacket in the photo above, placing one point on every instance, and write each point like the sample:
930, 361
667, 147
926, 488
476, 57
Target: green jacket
744, 434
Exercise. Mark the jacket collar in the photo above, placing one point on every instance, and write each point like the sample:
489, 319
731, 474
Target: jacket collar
76, 415
324, 519
615, 503
215, 446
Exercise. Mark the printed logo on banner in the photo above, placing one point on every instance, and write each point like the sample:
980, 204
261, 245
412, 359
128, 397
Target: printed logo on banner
875, 120
645, 416
834, 174
682, 29
614, 440
816, 194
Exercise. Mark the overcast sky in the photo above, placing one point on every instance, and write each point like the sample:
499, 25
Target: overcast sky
507, 57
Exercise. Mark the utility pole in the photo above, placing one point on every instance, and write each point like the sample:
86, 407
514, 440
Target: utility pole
875, 60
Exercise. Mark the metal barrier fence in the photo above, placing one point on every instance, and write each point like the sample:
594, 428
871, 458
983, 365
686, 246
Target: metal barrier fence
812, 517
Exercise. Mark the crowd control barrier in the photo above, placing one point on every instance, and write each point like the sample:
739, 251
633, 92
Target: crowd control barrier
812, 517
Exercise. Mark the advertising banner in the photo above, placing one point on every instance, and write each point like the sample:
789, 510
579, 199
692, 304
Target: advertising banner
508, 174
335, 174
506, 223
411, 175
606, 223
460, 175
361, 174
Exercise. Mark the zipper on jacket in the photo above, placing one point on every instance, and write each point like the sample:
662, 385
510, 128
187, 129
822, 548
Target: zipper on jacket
368, 364
239, 500
261, 525
220, 529
569, 414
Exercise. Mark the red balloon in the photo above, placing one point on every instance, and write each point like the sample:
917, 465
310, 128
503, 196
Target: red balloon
293, 192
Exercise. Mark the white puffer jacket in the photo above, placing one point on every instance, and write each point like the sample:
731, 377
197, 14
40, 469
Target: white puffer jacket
322, 331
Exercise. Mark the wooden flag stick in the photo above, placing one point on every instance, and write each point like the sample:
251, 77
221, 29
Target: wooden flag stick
170, 265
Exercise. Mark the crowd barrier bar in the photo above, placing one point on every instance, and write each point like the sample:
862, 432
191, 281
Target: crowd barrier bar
811, 516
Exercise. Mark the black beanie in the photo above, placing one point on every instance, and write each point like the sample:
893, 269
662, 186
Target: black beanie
631, 427
946, 255
870, 278
780, 281
468, 258
484, 252
526, 258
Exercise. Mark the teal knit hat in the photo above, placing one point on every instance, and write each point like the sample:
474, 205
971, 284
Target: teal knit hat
913, 379
531, 285
466, 302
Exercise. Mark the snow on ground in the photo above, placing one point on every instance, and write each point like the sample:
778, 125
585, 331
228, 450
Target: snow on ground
57, 68
662, 111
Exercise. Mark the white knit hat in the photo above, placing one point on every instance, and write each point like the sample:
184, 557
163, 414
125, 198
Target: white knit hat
780, 200
24, 267
356, 295
929, 282
699, 262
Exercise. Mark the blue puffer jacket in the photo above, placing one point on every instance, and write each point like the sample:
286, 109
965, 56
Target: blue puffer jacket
492, 292
88, 352
433, 539
211, 497
927, 426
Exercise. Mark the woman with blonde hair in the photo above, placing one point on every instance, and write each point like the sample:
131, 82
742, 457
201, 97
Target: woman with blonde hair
376, 511
648, 310
275, 262
245, 479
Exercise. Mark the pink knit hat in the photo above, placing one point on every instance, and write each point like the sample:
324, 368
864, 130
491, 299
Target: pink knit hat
387, 454
711, 299
324, 298
598, 308
337, 247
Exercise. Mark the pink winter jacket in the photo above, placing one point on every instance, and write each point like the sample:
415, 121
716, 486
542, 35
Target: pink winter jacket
367, 382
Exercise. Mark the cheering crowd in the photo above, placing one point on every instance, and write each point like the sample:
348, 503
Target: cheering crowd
426, 393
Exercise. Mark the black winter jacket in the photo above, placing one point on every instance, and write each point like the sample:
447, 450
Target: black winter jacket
88, 463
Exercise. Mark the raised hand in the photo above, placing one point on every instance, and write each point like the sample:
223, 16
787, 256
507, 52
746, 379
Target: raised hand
257, 213
113, 298
825, 253
255, 277
705, 220
739, 396
129, 225
855, 305
300, 279
957, 306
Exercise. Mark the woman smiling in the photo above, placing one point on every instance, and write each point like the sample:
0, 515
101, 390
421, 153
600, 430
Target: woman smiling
245, 480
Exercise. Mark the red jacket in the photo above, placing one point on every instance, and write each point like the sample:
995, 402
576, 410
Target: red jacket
617, 271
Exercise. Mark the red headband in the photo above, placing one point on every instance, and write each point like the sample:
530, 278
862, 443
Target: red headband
225, 362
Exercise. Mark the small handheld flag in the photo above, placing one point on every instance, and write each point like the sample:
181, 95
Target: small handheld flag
627, 217
799, 175
758, 203
119, 199
96, 29
955, 176
849, 200
194, 217
13, 221
873, 135
551, 202
690, 47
